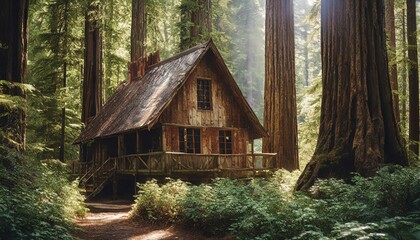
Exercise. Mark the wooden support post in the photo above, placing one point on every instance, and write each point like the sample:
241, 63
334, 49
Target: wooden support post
135, 184
114, 187
138, 148
167, 168
163, 139
120, 145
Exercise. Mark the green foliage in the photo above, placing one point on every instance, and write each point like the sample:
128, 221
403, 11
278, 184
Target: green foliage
55, 53
309, 113
224, 202
116, 43
36, 200
386, 206
159, 203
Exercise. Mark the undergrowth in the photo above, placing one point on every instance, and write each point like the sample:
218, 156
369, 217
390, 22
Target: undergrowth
37, 201
386, 206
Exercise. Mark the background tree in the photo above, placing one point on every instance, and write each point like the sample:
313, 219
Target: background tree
413, 77
116, 43
391, 46
56, 54
196, 22
92, 81
138, 29
308, 76
358, 131
280, 118
402, 61
245, 50
13, 64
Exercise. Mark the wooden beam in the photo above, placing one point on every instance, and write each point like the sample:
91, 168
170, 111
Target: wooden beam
120, 145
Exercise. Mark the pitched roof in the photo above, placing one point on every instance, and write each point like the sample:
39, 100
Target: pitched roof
140, 103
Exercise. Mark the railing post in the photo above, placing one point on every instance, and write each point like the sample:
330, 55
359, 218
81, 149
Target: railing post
253, 164
168, 163
149, 164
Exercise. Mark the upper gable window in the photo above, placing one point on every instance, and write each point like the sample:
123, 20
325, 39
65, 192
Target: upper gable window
204, 94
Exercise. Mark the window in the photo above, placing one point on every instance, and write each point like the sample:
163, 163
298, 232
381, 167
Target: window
189, 140
225, 142
204, 94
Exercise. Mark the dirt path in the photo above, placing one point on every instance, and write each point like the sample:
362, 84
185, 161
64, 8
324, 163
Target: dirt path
110, 221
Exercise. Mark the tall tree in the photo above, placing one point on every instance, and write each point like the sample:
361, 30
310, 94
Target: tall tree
64, 80
391, 40
280, 92
55, 57
196, 22
402, 59
92, 82
244, 27
413, 77
358, 131
13, 64
138, 29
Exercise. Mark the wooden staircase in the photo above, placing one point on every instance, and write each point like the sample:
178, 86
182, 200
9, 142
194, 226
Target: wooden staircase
96, 178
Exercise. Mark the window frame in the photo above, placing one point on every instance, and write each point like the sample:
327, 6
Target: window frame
210, 95
223, 145
183, 145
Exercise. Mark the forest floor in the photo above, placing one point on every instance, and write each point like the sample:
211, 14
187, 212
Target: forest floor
109, 220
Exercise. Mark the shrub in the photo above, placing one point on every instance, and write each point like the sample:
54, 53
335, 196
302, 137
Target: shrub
36, 200
159, 203
386, 206
215, 207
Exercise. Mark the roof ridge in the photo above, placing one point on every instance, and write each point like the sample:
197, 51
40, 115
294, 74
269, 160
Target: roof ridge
181, 54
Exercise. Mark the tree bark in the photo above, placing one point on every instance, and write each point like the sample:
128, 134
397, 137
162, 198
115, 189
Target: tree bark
280, 115
358, 131
138, 29
404, 74
93, 72
393, 74
13, 68
196, 22
413, 78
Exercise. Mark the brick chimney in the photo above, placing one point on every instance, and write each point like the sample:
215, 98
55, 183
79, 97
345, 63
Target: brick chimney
137, 68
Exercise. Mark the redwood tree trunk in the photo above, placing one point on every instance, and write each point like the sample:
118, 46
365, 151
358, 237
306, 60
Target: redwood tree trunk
92, 82
393, 74
199, 16
13, 67
404, 74
358, 131
280, 92
413, 78
138, 29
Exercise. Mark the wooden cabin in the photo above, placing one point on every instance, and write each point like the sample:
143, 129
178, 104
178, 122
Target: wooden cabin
184, 117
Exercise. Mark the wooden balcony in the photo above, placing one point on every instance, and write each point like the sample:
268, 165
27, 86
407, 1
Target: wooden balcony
179, 164
175, 163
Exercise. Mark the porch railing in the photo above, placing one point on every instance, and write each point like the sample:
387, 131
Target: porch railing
168, 162
81, 169
146, 162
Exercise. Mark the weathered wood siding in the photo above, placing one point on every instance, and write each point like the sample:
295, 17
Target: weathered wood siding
183, 108
225, 113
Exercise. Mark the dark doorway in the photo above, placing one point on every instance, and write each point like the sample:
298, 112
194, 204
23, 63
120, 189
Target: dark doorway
130, 143
151, 141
